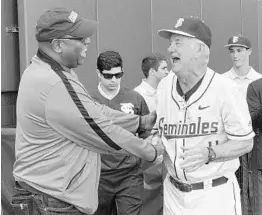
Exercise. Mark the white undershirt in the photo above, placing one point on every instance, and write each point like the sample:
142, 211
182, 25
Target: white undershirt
109, 97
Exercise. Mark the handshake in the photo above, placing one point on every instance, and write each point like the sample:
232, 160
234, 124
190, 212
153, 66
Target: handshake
146, 125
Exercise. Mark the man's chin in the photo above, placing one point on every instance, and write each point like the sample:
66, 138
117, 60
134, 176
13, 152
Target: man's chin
80, 62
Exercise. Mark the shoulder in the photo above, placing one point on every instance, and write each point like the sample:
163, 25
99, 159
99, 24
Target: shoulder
166, 81
132, 93
138, 87
227, 73
95, 94
255, 74
257, 84
222, 80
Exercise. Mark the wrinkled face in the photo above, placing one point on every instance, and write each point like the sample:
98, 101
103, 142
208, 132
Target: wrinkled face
110, 79
162, 70
239, 55
73, 51
183, 51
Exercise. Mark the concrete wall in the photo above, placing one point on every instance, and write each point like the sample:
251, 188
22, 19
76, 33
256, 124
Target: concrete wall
128, 27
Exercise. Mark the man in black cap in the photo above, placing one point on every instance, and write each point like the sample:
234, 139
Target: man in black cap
61, 131
202, 127
242, 74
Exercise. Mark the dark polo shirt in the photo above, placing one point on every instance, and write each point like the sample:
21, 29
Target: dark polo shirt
254, 100
127, 101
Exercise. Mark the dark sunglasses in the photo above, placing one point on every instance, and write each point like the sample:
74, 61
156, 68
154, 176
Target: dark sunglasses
110, 76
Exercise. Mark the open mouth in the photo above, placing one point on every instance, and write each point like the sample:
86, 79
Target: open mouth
175, 59
83, 53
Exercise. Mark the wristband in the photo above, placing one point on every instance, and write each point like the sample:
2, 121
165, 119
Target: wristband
155, 154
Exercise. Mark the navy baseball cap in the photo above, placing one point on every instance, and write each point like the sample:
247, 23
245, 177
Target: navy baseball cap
190, 26
60, 22
238, 40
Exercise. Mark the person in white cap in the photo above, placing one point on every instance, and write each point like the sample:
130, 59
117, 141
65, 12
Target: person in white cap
242, 74
201, 125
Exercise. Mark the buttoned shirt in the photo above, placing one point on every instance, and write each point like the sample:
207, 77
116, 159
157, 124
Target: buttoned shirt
148, 93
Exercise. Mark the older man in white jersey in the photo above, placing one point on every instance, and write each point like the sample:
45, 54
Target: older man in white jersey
202, 127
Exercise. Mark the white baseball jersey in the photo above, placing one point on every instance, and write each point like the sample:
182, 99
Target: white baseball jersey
213, 114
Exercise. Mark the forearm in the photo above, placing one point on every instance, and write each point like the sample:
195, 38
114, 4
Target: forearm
232, 149
129, 122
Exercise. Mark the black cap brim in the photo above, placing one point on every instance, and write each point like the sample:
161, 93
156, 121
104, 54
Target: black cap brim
235, 44
165, 33
85, 29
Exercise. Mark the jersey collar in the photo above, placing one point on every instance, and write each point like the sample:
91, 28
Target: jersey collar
196, 94
109, 97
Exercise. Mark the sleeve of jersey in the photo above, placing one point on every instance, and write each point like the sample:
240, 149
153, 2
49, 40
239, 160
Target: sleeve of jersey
235, 115
88, 126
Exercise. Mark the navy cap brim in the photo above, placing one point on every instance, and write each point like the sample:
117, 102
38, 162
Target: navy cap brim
85, 29
238, 45
165, 33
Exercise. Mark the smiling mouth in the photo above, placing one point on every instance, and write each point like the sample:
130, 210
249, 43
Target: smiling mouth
83, 53
175, 59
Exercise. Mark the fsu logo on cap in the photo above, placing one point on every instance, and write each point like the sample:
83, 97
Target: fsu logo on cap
179, 22
72, 17
235, 39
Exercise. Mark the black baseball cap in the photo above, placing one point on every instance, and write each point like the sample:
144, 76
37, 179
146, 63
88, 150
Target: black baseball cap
190, 26
60, 22
238, 40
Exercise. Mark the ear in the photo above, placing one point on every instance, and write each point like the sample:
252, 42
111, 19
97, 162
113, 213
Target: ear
250, 51
200, 50
98, 73
151, 72
56, 45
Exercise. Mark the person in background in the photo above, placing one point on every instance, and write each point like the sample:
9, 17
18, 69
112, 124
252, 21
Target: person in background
61, 130
242, 74
254, 101
154, 68
121, 180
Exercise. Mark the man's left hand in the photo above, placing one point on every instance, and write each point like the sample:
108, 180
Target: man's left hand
193, 158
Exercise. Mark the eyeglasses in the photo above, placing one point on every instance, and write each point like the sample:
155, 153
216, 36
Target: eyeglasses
83, 40
110, 76
72, 38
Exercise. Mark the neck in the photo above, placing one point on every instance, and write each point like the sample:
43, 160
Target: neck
188, 81
47, 50
152, 82
107, 91
243, 70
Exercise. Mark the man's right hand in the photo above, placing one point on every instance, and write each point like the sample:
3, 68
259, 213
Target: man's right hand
158, 144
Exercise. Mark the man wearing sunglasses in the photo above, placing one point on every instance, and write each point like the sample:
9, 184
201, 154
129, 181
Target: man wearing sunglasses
61, 131
121, 182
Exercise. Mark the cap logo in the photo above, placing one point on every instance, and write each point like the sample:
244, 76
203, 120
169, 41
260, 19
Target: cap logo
235, 39
72, 17
179, 22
